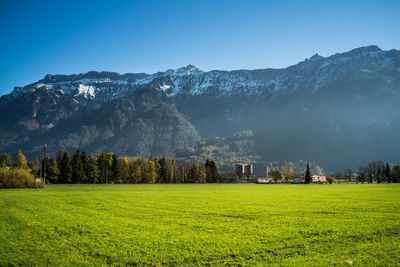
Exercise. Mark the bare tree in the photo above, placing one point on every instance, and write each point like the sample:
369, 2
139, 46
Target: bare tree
374, 170
348, 173
362, 174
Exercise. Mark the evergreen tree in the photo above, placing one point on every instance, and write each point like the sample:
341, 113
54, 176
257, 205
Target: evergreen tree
388, 174
78, 175
65, 169
5, 160
20, 160
52, 171
212, 173
396, 173
307, 177
164, 170
85, 162
92, 170
102, 167
115, 170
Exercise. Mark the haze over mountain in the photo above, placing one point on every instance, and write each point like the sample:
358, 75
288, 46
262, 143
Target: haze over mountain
339, 111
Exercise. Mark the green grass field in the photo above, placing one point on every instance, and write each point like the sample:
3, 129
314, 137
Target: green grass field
232, 224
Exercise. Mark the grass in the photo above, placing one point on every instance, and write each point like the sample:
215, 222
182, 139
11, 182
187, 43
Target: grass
233, 224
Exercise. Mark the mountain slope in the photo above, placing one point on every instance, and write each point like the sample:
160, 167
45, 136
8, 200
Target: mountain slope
339, 111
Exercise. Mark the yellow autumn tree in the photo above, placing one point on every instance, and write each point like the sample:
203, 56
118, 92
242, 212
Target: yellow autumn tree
124, 169
202, 174
150, 173
288, 173
20, 160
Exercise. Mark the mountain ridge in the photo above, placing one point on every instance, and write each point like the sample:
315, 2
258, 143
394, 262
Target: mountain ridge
94, 110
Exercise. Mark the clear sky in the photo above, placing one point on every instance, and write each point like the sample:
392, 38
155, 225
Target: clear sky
65, 37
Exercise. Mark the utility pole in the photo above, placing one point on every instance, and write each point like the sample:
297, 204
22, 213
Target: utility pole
44, 163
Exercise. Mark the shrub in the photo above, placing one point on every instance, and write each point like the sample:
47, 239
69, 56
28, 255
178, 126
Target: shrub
331, 179
18, 178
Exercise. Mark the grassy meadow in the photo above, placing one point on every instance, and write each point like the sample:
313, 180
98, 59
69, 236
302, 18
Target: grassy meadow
201, 224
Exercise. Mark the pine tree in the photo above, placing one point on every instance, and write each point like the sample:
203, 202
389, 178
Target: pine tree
20, 160
78, 175
85, 162
388, 174
102, 167
212, 173
163, 170
379, 175
65, 169
92, 170
115, 170
307, 178
52, 170
396, 174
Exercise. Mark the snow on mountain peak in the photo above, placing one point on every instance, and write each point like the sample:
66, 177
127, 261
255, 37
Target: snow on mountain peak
188, 70
86, 91
190, 80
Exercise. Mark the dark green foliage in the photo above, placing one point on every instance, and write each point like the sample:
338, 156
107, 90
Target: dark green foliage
212, 173
115, 170
396, 173
163, 170
78, 174
103, 168
307, 177
388, 174
65, 169
85, 160
92, 170
52, 171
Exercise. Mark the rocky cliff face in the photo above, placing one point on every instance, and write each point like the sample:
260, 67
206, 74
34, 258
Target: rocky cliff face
337, 110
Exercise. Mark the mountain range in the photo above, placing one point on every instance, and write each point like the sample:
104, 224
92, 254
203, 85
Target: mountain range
340, 111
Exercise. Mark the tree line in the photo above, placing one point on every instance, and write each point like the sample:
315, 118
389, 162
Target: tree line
375, 171
81, 168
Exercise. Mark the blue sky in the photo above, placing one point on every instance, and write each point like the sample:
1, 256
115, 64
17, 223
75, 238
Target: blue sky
65, 37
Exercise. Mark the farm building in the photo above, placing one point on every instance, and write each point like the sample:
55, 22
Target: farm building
318, 179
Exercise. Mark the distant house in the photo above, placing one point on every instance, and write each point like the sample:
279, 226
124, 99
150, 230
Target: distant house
318, 179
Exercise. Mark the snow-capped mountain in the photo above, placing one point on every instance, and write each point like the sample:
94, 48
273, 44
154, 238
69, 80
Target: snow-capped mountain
193, 81
134, 113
